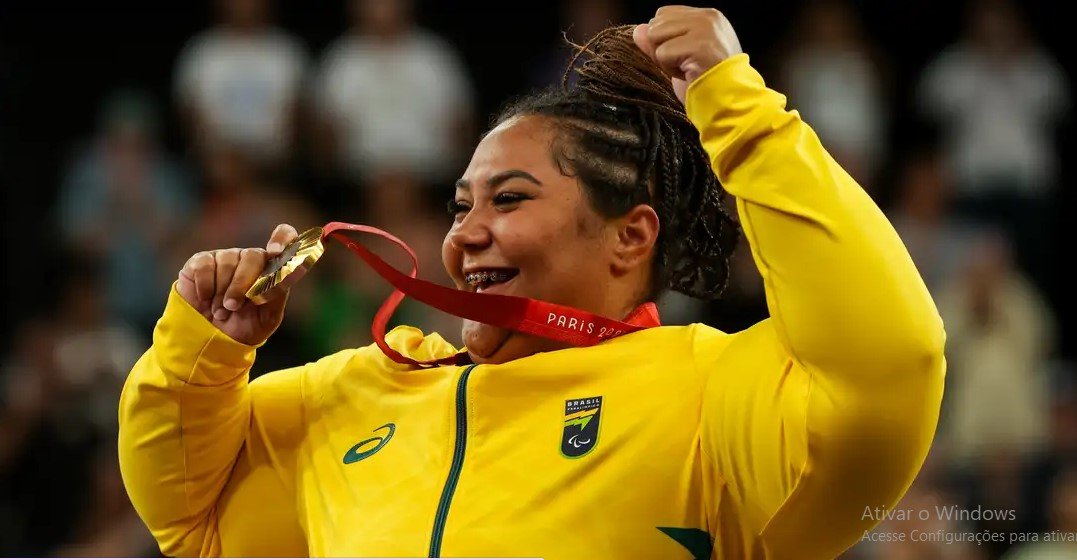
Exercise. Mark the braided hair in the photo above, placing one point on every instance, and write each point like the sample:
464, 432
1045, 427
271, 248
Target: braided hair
624, 134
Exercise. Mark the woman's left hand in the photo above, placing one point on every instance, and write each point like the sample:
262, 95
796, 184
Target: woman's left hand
686, 42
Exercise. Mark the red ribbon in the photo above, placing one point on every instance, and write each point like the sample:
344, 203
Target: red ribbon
521, 314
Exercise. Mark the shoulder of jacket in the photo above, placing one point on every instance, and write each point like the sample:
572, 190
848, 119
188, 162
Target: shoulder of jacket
711, 344
407, 340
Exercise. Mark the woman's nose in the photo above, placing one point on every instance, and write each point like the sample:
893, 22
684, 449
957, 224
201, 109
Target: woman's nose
471, 234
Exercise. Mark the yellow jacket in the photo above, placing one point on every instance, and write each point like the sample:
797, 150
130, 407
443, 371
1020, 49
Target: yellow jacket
673, 442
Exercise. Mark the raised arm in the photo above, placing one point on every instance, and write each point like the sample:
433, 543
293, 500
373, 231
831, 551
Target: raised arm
842, 290
830, 406
207, 459
841, 389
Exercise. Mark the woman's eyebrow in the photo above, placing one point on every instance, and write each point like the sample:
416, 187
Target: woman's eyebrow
499, 178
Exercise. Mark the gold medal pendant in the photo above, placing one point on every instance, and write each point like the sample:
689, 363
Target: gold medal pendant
284, 270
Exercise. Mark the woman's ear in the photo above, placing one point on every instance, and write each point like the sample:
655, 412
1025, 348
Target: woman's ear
637, 233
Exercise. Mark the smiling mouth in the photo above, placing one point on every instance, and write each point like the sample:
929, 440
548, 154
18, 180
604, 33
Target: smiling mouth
482, 280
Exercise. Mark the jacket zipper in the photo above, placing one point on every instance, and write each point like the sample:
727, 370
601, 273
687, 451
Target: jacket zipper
457, 464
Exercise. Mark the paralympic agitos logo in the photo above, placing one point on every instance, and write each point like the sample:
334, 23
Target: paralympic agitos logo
580, 433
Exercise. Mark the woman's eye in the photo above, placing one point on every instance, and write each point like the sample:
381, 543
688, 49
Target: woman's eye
457, 207
509, 198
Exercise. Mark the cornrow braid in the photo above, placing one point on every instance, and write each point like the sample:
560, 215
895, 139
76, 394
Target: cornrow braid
626, 137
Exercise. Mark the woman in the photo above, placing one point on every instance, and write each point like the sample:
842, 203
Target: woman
782, 441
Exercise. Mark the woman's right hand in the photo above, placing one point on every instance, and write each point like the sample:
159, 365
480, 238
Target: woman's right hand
216, 282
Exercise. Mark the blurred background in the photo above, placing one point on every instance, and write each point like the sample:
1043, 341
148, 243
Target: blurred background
133, 136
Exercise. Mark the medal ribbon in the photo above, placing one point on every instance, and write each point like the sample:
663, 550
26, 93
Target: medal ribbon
520, 314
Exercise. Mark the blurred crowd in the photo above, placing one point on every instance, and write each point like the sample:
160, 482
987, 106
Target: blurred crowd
375, 128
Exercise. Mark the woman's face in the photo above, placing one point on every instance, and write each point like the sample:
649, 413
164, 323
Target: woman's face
523, 228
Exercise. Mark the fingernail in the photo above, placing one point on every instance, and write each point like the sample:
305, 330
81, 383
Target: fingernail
275, 247
220, 314
232, 304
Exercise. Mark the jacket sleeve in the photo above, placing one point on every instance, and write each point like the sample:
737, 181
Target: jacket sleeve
209, 461
828, 407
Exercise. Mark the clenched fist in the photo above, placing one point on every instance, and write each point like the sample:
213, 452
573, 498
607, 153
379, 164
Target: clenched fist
216, 282
686, 42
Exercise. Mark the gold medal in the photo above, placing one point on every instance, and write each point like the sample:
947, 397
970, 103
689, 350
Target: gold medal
285, 269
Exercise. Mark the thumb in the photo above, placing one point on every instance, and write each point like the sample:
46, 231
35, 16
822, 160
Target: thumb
639, 36
680, 88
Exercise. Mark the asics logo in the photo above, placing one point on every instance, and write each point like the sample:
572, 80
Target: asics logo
364, 449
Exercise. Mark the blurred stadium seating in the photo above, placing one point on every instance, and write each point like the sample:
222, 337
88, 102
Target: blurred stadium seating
132, 137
